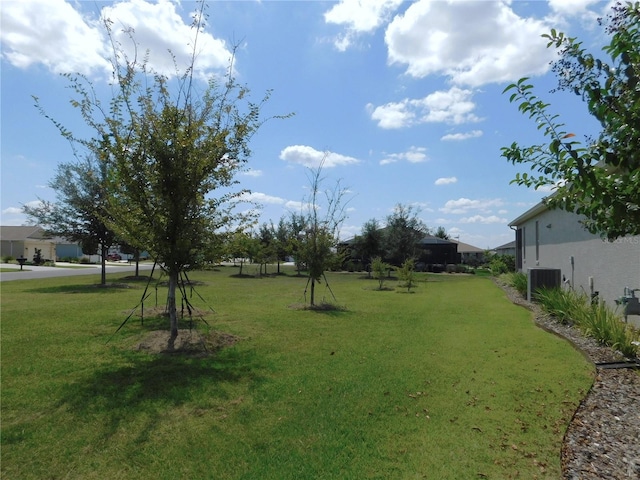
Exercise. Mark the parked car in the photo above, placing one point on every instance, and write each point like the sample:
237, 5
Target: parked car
114, 257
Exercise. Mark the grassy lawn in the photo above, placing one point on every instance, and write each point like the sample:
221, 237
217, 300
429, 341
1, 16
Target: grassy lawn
449, 382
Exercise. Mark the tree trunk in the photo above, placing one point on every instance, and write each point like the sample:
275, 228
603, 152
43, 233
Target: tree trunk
171, 307
313, 292
103, 273
137, 254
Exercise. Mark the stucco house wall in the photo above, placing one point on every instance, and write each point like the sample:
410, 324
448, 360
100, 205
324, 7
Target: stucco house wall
556, 239
24, 240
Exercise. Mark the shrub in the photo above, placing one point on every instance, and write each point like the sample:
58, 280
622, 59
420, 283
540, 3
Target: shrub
566, 306
85, 260
518, 280
596, 320
7, 259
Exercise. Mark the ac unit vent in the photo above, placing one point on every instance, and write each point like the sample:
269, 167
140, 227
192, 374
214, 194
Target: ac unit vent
542, 278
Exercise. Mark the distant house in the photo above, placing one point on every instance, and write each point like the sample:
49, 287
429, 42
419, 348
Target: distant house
556, 239
24, 240
506, 249
469, 254
431, 251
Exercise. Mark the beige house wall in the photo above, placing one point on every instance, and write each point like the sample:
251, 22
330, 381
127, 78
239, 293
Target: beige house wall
587, 262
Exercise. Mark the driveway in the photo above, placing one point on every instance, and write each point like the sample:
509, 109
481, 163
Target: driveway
62, 269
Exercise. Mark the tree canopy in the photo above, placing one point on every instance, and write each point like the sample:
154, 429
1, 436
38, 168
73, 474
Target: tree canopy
600, 177
170, 150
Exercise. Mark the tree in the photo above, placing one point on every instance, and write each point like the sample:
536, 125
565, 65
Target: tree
280, 241
172, 152
599, 179
379, 269
369, 244
80, 210
320, 238
407, 273
297, 226
267, 248
403, 232
441, 233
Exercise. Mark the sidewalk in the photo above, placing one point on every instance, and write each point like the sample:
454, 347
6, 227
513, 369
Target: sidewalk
63, 269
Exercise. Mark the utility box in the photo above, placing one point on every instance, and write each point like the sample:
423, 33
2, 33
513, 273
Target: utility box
542, 278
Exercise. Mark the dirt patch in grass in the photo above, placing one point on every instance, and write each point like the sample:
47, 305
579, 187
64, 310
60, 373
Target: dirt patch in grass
322, 307
189, 343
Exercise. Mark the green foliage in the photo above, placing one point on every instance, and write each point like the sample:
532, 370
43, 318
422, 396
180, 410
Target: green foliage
370, 243
402, 233
407, 274
317, 245
8, 259
519, 282
499, 264
380, 271
567, 306
600, 179
595, 319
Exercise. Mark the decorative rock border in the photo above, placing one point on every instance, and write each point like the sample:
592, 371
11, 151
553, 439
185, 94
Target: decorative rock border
602, 441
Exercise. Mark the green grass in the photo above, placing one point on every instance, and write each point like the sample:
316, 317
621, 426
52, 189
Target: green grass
450, 381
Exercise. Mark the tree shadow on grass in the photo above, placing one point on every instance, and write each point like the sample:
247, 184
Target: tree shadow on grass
92, 288
149, 387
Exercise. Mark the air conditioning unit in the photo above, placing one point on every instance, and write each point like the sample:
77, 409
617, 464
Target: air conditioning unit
542, 278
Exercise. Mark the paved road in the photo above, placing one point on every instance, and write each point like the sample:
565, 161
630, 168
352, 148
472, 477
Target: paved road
30, 272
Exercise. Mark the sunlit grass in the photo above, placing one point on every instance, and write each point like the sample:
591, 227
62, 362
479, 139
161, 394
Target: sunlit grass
451, 381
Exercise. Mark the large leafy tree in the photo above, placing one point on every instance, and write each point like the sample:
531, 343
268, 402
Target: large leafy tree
600, 177
403, 231
80, 211
369, 244
172, 150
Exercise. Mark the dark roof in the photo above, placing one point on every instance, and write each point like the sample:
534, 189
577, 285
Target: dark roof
506, 246
433, 240
17, 234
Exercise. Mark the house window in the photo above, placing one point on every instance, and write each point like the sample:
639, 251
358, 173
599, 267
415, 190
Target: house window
537, 241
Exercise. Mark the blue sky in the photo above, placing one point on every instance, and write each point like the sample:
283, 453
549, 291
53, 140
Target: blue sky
405, 98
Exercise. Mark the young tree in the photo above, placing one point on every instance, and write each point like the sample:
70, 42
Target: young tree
601, 179
403, 232
280, 235
321, 235
172, 151
80, 211
379, 269
407, 274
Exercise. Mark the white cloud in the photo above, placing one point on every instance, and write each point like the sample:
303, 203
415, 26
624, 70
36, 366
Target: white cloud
260, 198
465, 205
446, 181
57, 35
454, 106
12, 211
570, 8
482, 219
456, 137
252, 173
413, 155
472, 42
54, 34
312, 158
359, 17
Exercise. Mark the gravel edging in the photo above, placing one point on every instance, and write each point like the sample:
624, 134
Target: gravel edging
602, 441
